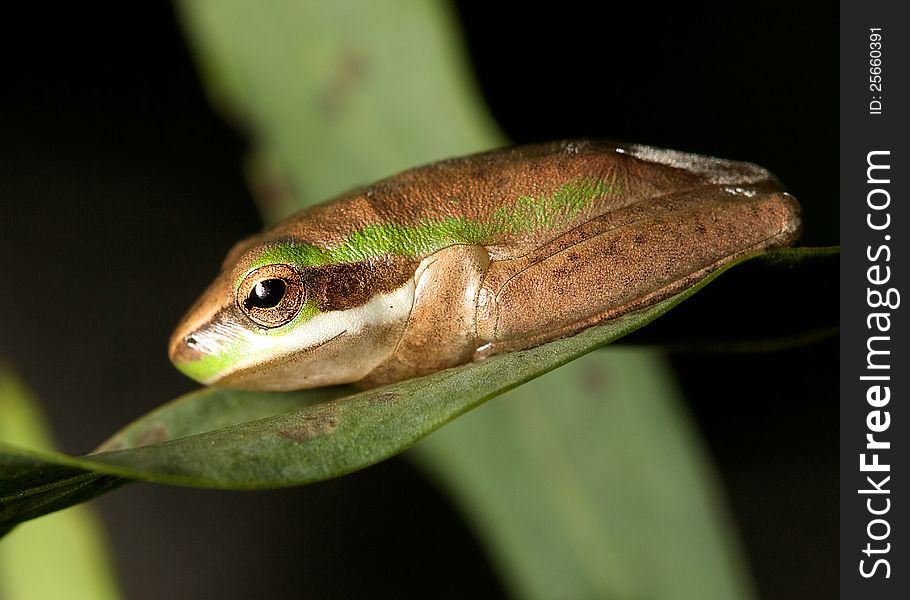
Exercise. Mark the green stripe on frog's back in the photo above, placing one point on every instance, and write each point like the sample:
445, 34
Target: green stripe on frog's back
527, 213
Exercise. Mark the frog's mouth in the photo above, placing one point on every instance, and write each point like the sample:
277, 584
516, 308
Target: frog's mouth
241, 377
258, 363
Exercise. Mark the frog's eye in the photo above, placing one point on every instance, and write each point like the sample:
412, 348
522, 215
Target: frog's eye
271, 295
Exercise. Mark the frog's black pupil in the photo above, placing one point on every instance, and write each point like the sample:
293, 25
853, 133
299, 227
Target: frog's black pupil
266, 294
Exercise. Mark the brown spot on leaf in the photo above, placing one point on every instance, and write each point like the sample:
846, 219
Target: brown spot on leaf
596, 380
117, 443
385, 397
351, 67
154, 434
311, 426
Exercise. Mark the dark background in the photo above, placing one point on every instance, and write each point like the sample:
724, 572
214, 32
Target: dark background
120, 188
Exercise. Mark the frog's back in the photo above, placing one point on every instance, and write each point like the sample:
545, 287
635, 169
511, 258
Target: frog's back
510, 201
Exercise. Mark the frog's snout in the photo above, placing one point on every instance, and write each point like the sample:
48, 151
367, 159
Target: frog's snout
190, 354
184, 348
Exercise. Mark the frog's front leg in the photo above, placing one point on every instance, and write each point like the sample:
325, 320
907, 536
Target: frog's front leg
441, 330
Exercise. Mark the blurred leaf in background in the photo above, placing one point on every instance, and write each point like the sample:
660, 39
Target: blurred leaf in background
337, 94
63, 555
586, 483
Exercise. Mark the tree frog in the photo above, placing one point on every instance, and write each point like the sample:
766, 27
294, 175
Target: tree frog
469, 257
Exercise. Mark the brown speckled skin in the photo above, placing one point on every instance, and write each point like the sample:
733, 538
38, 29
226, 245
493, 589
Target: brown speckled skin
676, 217
474, 186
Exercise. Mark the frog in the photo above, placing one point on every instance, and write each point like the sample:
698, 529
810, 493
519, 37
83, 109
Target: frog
469, 257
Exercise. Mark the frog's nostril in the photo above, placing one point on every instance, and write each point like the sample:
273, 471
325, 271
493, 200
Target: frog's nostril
185, 348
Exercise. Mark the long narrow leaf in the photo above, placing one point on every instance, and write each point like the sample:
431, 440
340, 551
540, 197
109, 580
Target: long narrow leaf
70, 545
207, 439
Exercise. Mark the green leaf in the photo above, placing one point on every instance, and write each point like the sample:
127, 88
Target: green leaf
210, 408
206, 439
592, 484
70, 544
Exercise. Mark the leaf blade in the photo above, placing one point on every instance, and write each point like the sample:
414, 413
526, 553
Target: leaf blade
325, 439
71, 543
623, 469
